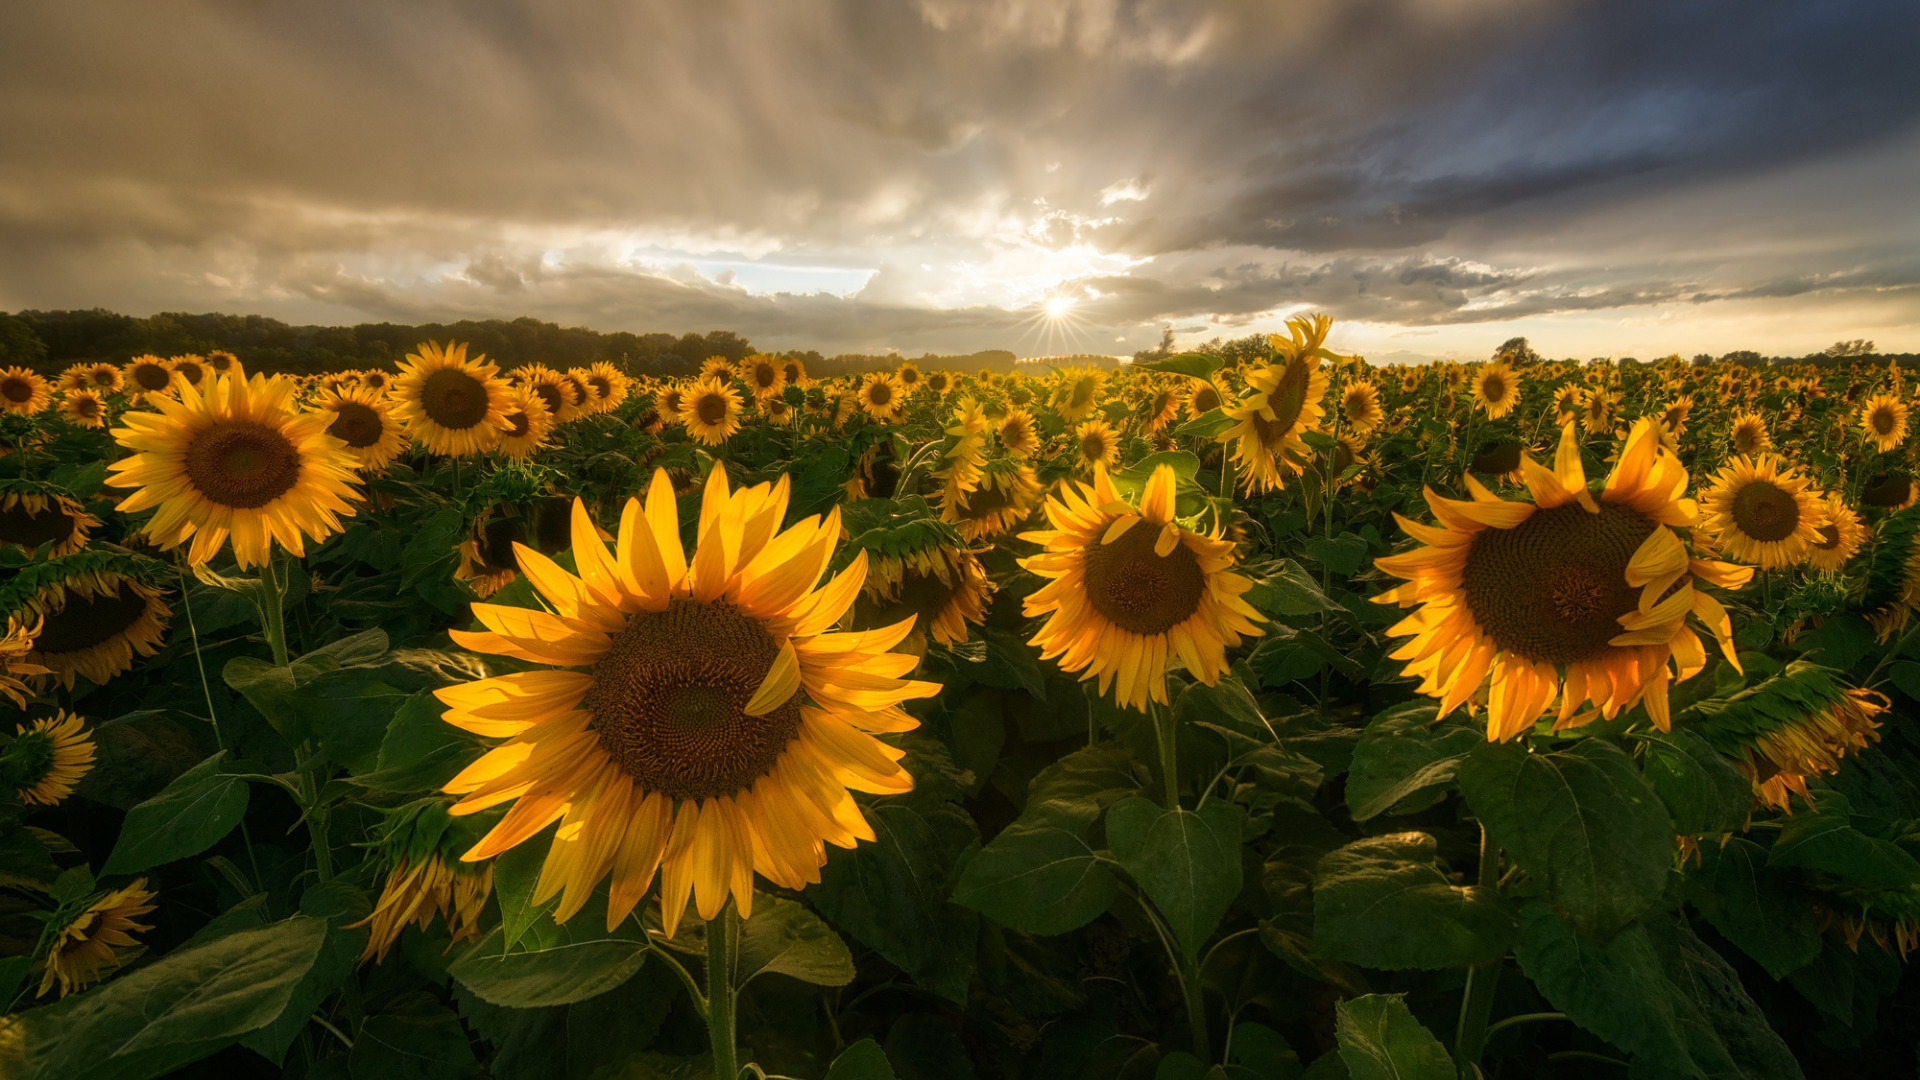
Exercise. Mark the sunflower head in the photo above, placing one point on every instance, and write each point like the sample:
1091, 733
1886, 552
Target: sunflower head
417, 849
909, 377
190, 369
711, 410
1883, 420
939, 382
1005, 498
1790, 728
105, 378
690, 714
916, 569
1840, 538
1762, 511
84, 408
42, 763
1095, 445
880, 395
1749, 434
447, 403
23, 391
149, 375
1079, 392
1283, 401
362, 421
1018, 436
33, 513
96, 609
1496, 389
90, 937
793, 371
609, 385
1360, 405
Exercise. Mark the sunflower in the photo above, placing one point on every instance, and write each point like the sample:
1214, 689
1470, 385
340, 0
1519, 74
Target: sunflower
189, 369
1883, 419
1762, 511
95, 610
880, 395
1791, 727
939, 382
528, 424
15, 646
447, 403
1840, 538
97, 940
717, 367
1080, 392
1095, 446
360, 419
711, 411
1495, 389
1360, 404
83, 408
929, 579
222, 362
236, 462
793, 371
147, 376
908, 376
762, 376
417, 848
1567, 596
1891, 590
1129, 590
1749, 434
23, 391
875, 472
32, 514
609, 385
1673, 419
1284, 403
105, 378
1018, 437
1202, 398
42, 763
1501, 458
1007, 494
1568, 403
967, 456
1889, 491
1597, 410
550, 387
711, 724
75, 377
668, 403
1162, 405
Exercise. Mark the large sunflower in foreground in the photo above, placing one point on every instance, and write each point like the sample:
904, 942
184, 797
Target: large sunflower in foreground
1567, 596
1762, 511
1282, 403
360, 418
449, 404
236, 461
694, 716
23, 391
1130, 590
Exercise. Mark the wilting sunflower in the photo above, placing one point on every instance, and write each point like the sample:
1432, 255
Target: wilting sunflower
189, 369
418, 848
1883, 419
238, 462
1889, 491
1749, 434
95, 609
1282, 404
97, 940
919, 571
1790, 728
1762, 511
447, 403
1567, 596
528, 424
105, 378
762, 376
609, 384
1360, 404
147, 376
23, 391
42, 763
15, 646
1079, 392
1501, 458
361, 419
1495, 389
1007, 494
83, 408
1018, 437
1840, 538
711, 723
711, 411
1095, 446
880, 395
1130, 590
34, 513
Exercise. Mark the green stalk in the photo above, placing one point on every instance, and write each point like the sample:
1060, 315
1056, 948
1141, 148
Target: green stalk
1168, 738
276, 627
721, 933
206, 690
1476, 1004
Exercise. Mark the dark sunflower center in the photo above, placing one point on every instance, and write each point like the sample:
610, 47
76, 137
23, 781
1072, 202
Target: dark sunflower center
152, 377
87, 621
1887, 490
881, 394
602, 386
1883, 420
86, 408
1082, 394
189, 372
579, 391
1495, 389
711, 408
1829, 538
765, 376
669, 701
1140, 591
1093, 446
518, 425
31, 528
670, 403
1552, 589
923, 596
454, 399
242, 464
987, 499
103, 378
356, 425
936, 382
1288, 398
1765, 512
1205, 400
549, 396
497, 538
16, 389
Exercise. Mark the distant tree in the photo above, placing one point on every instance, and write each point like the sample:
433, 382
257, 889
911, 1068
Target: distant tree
1856, 347
19, 344
1702, 359
1516, 351
1746, 357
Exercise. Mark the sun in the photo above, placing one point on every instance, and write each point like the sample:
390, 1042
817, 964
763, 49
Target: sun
1058, 306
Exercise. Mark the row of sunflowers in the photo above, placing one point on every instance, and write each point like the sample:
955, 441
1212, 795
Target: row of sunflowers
1289, 716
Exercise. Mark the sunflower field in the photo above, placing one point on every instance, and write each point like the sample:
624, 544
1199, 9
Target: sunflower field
1281, 717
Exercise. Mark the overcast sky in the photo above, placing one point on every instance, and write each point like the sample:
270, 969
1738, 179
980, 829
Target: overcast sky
1628, 177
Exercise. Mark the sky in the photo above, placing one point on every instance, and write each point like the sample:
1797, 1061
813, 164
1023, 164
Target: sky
1619, 178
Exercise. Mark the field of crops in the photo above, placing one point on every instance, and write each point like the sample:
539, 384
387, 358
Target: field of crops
1284, 717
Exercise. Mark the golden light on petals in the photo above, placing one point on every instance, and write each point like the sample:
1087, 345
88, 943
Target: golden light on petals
1883, 420
1496, 389
1762, 511
447, 403
24, 391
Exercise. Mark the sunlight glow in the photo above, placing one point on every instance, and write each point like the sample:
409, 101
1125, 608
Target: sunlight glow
1058, 306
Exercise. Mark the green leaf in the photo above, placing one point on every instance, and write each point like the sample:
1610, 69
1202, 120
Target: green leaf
1828, 842
1208, 425
1404, 758
554, 964
1037, 878
1187, 862
339, 904
1192, 365
1380, 1040
1706, 794
271, 690
189, 816
1285, 588
785, 938
516, 872
1658, 992
1753, 906
414, 1038
863, 1060
1381, 902
1341, 554
1073, 791
1582, 822
178, 1009
420, 751
433, 551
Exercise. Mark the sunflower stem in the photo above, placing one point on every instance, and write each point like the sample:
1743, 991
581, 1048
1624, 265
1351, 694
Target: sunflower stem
213, 719
1168, 738
1476, 1004
276, 628
721, 933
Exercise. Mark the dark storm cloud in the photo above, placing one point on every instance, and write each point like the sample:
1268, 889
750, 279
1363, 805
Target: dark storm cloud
1413, 162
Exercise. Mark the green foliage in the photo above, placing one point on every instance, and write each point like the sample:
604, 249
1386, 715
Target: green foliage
1380, 1040
1381, 902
